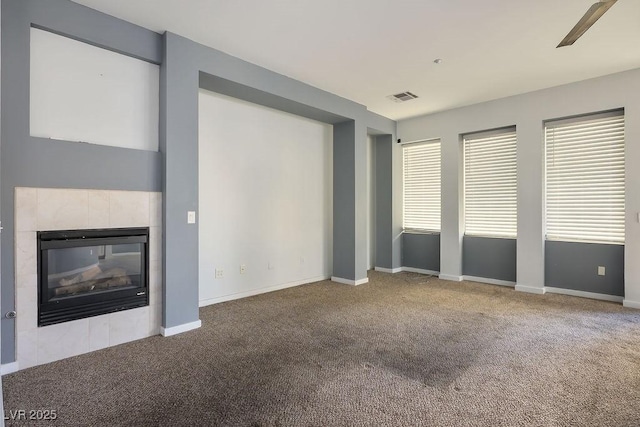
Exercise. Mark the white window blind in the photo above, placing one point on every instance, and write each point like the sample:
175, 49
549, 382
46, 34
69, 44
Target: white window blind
490, 184
585, 179
421, 186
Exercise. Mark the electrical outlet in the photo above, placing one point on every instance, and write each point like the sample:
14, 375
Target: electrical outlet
243, 268
219, 273
600, 270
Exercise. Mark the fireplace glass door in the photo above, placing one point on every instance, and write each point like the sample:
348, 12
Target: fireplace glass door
85, 273
93, 269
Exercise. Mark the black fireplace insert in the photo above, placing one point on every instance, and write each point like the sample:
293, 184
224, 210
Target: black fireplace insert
84, 273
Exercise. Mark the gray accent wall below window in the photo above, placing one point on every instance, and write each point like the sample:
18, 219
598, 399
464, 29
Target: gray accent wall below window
421, 250
489, 258
574, 265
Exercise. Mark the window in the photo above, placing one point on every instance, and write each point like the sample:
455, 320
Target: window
490, 184
421, 161
585, 178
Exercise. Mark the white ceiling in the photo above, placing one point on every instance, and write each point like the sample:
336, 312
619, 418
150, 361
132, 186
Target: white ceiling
364, 50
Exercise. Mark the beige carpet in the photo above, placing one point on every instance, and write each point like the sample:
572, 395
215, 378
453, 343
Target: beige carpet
404, 349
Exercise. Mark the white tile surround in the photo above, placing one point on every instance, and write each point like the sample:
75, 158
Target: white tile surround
43, 209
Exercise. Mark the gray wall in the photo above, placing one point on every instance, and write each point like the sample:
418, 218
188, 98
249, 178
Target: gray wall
384, 201
1, 388
179, 143
528, 112
421, 250
219, 72
38, 162
490, 258
185, 66
573, 265
344, 240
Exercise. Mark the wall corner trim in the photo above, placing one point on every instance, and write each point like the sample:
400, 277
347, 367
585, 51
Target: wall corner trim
388, 270
421, 271
626, 303
531, 289
9, 368
489, 281
450, 277
349, 282
174, 330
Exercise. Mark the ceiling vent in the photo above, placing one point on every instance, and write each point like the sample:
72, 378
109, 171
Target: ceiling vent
402, 97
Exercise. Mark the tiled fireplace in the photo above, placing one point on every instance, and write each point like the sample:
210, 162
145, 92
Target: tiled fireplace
46, 209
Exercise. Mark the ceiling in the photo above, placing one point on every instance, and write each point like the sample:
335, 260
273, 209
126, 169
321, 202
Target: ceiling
365, 50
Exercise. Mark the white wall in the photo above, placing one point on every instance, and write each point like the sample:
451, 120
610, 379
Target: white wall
84, 93
528, 112
265, 198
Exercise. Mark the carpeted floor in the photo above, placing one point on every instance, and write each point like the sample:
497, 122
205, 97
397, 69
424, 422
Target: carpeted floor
404, 349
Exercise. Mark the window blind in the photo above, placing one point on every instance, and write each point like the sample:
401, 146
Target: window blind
490, 184
585, 179
421, 186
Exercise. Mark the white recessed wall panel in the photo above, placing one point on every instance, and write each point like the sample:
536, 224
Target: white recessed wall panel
265, 199
84, 93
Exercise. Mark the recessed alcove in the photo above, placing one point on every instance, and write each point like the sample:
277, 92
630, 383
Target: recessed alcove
79, 92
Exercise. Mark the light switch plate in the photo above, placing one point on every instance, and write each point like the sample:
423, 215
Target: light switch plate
191, 217
600, 270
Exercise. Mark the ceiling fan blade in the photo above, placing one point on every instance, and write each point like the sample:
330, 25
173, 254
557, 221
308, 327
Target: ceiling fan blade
593, 14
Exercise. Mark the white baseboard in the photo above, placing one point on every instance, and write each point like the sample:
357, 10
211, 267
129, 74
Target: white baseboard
349, 282
631, 304
490, 281
231, 297
389, 270
584, 294
421, 271
450, 277
9, 368
174, 330
531, 289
